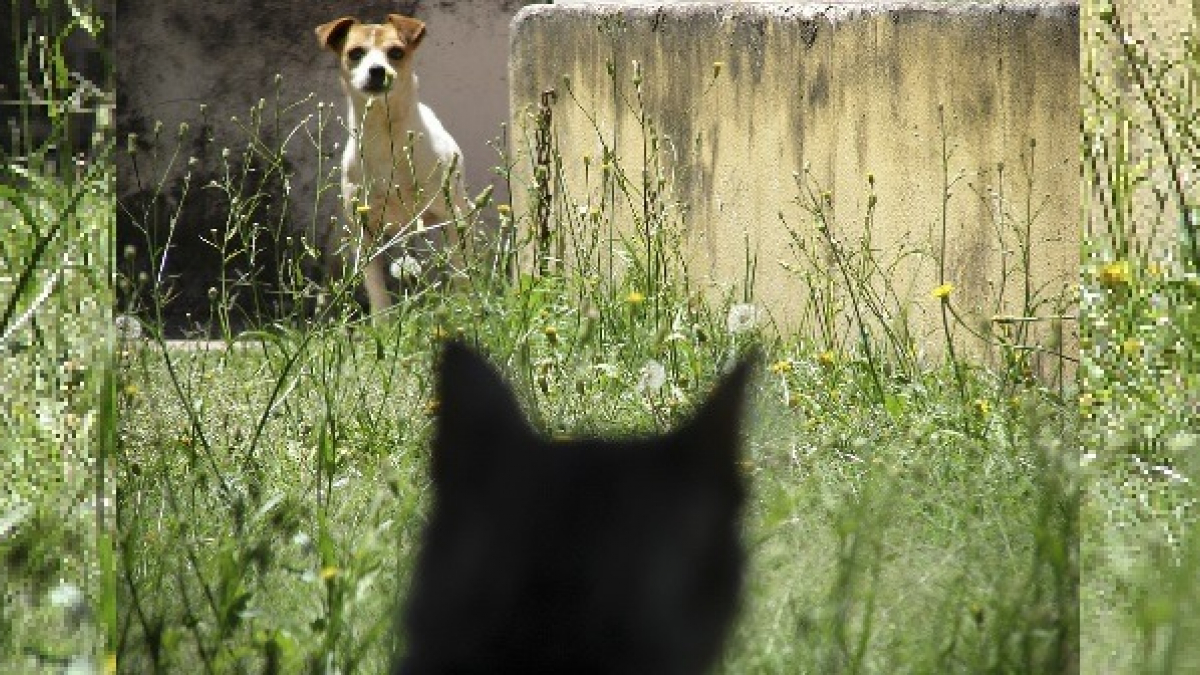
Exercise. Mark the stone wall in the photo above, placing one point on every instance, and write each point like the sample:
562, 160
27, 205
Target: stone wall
839, 95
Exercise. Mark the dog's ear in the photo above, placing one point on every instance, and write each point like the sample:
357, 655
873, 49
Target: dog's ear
331, 35
412, 30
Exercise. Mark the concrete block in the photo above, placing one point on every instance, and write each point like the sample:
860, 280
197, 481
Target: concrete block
837, 94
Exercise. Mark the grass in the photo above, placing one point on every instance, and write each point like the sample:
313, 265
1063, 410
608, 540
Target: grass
859, 525
907, 515
51, 555
255, 506
1140, 373
57, 594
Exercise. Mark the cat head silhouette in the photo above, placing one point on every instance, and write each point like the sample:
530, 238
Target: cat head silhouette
578, 556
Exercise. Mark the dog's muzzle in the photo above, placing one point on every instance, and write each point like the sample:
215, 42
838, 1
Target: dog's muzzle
378, 81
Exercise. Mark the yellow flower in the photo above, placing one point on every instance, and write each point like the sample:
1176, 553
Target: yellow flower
827, 358
1131, 346
551, 333
1086, 401
363, 208
328, 572
942, 292
1115, 273
982, 406
635, 298
781, 367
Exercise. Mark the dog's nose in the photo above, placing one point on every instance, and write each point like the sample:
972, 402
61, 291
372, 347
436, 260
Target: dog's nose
378, 79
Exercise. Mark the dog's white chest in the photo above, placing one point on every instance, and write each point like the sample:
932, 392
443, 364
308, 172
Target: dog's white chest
396, 157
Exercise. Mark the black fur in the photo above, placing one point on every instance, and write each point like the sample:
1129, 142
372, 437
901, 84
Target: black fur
583, 556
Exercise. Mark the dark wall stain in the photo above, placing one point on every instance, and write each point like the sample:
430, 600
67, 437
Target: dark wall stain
818, 89
184, 222
748, 39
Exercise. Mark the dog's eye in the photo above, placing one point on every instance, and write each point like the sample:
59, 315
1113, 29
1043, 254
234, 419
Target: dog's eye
356, 54
396, 53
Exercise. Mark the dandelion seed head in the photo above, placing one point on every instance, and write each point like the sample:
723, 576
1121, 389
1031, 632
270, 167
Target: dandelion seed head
741, 318
66, 595
128, 327
405, 267
652, 377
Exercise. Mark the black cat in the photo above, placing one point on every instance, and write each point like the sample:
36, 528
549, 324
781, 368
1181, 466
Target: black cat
583, 556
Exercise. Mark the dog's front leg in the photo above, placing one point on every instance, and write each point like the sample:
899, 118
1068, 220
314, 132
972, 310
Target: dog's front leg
375, 279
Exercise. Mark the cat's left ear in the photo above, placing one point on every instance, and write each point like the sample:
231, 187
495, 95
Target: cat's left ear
479, 418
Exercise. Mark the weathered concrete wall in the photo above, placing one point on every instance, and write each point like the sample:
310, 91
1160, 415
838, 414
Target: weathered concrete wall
847, 91
172, 57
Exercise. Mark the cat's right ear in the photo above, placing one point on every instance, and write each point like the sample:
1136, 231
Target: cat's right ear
714, 432
478, 417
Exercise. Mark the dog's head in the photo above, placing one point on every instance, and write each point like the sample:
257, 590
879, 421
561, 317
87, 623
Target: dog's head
372, 55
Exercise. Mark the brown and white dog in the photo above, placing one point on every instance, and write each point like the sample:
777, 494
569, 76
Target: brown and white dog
401, 169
